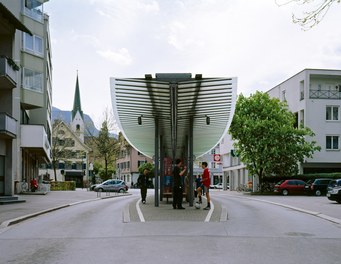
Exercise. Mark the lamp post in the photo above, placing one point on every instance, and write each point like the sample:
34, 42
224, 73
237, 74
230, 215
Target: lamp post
91, 168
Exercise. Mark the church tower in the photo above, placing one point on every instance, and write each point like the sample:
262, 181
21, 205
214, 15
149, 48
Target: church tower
77, 118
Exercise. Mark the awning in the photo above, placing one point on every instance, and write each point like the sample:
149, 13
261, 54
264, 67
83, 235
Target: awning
175, 101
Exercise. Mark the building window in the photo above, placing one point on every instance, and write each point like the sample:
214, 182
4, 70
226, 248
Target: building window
302, 118
33, 80
332, 142
33, 44
301, 90
141, 162
69, 142
25, 118
34, 9
283, 96
332, 113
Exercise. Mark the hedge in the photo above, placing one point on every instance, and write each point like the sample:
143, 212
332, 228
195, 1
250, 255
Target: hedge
63, 186
303, 177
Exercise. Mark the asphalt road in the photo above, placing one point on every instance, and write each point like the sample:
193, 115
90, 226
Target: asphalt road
254, 232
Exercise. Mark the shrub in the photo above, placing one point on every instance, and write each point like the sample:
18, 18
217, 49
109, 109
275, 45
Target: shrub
63, 186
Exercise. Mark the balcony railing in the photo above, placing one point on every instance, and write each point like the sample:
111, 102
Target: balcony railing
324, 94
8, 126
35, 14
8, 76
34, 137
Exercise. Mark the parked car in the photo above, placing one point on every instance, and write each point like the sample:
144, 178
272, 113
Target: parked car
317, 187
334, 190
111, 186
293, 186
216, 186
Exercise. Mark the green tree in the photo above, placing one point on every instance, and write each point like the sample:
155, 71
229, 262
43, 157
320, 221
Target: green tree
58, 146
148, 166
312, 17
266, 139
106, 146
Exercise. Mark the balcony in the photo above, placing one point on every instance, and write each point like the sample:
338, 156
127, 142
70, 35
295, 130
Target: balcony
8, 126
8, 76
34, 138
324, 94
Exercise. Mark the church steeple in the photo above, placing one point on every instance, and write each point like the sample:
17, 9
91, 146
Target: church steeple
77, 101
77, 118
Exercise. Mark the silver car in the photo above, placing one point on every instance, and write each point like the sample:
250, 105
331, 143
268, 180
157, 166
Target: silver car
111, 186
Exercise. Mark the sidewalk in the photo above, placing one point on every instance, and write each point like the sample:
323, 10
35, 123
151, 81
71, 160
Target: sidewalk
38, 204
165, 212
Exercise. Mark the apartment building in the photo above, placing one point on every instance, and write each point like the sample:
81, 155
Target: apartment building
128, 163
314, 96
26, 106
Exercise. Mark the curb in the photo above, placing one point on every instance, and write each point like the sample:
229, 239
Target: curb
317, 214
25, 217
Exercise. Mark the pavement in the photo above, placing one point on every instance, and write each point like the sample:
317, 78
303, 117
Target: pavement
135, 211
40, 203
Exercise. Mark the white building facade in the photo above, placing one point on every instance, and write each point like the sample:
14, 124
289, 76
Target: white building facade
29, 102
314, 96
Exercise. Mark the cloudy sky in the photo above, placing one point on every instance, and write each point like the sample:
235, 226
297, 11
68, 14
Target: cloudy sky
255, 41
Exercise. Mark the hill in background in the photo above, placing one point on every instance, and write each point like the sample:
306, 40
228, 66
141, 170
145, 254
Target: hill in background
66, 117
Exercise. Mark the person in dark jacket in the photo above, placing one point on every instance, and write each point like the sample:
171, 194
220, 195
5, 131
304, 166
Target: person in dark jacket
177, 184
142, 182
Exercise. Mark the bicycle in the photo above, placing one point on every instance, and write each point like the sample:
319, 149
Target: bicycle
24, 186
242, 188
266, 187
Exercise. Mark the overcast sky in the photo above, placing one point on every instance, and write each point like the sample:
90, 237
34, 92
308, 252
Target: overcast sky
254, 40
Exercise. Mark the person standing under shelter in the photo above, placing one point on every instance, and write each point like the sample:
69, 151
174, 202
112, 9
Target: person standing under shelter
206, 180
142, 182
198, 184
177, 184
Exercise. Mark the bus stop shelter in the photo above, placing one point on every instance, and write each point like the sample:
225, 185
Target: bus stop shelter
173, 115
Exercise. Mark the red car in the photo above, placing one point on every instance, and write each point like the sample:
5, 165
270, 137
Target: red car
290, 186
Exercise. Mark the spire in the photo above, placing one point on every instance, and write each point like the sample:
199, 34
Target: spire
77, 101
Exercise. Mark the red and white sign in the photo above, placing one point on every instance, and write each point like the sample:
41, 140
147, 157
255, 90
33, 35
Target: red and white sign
216, 157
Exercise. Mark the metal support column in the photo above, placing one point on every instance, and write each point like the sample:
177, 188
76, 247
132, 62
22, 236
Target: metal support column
190, 163
162, 168
156, 162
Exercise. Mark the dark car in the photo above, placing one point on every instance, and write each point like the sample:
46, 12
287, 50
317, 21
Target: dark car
111, 186
293, 186
334, 190
317, 187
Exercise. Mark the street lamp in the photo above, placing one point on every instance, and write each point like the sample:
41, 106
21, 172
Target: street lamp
91, 168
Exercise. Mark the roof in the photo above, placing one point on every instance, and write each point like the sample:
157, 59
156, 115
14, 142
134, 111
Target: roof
77, 102
175, 101
5, 13
72, 134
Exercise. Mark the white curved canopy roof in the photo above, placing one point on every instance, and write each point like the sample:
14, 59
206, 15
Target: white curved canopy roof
174, 100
